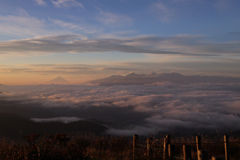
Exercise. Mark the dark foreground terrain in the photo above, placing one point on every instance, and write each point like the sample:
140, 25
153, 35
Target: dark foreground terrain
21, 138
15, 126
92, 147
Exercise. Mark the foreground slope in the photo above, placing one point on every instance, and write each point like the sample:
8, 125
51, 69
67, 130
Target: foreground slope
14, 126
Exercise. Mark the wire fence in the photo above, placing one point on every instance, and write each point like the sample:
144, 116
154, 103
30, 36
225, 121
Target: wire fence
202, 148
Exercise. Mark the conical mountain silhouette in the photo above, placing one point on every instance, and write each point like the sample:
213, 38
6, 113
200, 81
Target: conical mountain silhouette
58, 80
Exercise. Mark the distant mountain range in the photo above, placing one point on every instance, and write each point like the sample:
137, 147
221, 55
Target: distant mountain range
58, 80
158, 79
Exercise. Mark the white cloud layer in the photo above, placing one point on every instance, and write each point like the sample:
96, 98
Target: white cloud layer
56, 119
156, 108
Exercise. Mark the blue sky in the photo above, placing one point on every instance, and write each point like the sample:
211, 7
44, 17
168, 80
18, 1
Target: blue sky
87, 39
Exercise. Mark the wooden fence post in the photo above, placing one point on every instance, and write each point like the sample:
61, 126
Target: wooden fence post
149, 150
167, 141
171, 151
218, 158
198, 142
164, 148
226, 145
187, 152
202, 155
135, 145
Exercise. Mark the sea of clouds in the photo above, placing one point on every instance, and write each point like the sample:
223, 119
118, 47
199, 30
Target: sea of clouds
141, 109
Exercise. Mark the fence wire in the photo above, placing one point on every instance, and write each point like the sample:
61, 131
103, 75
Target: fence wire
155, 150
214, 147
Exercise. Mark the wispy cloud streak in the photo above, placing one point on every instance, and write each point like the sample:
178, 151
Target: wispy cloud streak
108, 18
40, 2
75, 43
67, 3
22, 25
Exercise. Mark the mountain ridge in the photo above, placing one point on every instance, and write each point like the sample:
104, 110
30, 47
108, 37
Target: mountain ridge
58, 80
153, 79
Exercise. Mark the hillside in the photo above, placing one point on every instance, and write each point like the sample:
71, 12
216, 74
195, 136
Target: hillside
14, 126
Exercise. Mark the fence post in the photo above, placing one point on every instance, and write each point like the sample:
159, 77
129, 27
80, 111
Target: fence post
198, 142
167, 141
226, 145
149, 150
218, 158
202, 155
164, 148
135, 145
187, 152
171, 151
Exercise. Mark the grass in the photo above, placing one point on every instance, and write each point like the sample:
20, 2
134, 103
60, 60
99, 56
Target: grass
92, 147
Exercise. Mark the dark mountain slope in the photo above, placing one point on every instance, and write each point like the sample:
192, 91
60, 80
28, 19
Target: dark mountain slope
15, 126
142, 79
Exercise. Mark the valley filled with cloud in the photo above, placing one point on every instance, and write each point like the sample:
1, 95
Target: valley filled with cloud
129, 109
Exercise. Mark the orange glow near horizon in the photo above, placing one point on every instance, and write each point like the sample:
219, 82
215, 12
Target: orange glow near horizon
24, 79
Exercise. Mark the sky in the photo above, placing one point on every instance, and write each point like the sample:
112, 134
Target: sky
83, 40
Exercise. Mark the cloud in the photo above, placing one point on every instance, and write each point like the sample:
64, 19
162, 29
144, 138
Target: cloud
138, 109
237, 33
48, 69
66, 24
56, 119
76, 43
140, 130
23, 12
163, 12
21, 26
194, 44
71, 44
67, 3
40, 2
110, 19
